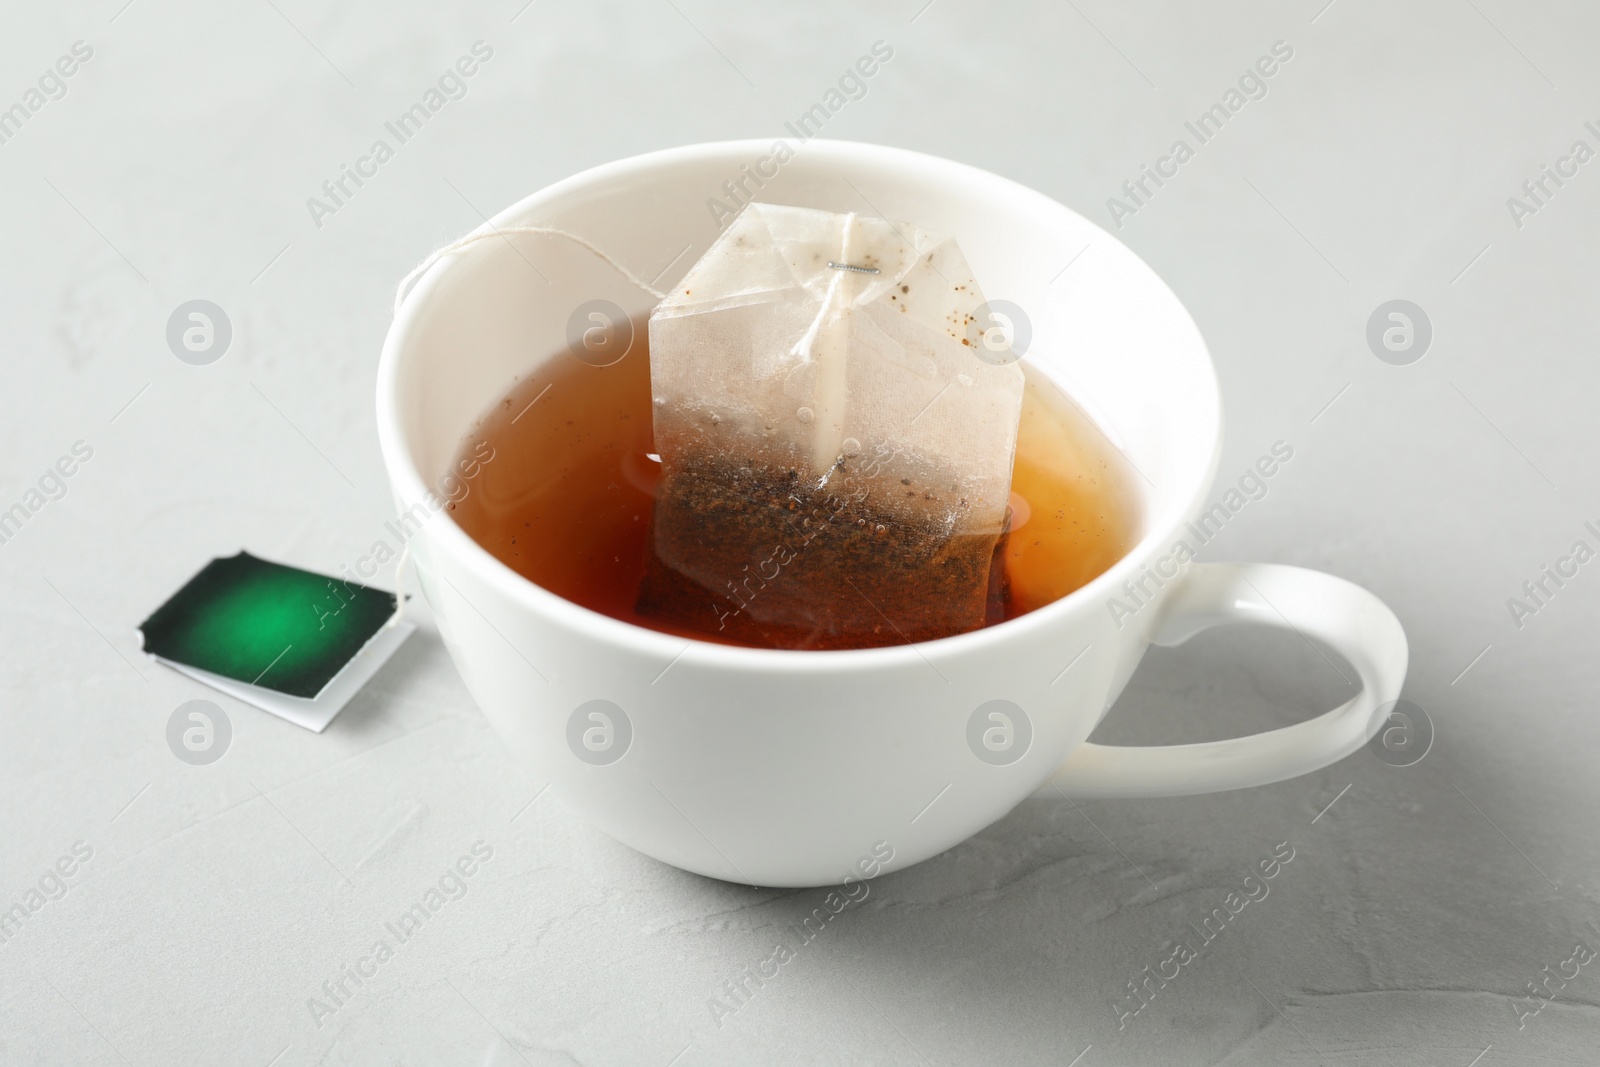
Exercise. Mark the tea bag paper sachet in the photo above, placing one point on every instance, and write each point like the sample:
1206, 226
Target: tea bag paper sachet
836, 458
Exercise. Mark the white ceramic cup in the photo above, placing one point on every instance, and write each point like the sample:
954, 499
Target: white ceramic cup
787, 768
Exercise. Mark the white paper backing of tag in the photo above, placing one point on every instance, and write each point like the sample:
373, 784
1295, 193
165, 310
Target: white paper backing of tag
316, 713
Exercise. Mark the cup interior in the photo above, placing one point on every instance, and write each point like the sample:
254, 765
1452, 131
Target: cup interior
1105, 328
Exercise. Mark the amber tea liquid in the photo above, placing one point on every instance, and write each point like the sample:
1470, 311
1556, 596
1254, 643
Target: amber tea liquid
567, 499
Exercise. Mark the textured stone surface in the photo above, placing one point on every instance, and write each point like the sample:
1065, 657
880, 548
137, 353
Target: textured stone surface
218, 899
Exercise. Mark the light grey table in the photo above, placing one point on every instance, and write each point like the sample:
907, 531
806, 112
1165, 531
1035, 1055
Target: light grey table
176, 163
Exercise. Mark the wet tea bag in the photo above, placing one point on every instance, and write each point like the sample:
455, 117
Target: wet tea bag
836, 458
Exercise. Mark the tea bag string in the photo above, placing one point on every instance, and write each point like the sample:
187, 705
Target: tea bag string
808, 340
399, 587
459, 243
828, 397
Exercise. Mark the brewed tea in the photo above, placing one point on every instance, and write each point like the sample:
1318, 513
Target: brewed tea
569, 504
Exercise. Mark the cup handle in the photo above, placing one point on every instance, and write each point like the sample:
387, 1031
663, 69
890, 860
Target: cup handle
1346, 617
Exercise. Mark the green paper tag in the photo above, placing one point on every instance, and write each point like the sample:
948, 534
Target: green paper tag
267, 625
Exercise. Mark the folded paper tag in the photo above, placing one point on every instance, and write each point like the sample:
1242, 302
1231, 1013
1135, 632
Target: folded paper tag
288, 641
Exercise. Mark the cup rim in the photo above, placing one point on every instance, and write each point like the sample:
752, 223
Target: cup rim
410, 486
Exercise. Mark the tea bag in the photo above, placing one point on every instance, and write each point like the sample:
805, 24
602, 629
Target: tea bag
836, 458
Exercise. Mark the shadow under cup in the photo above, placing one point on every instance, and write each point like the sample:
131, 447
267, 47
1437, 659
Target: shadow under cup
782, 767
